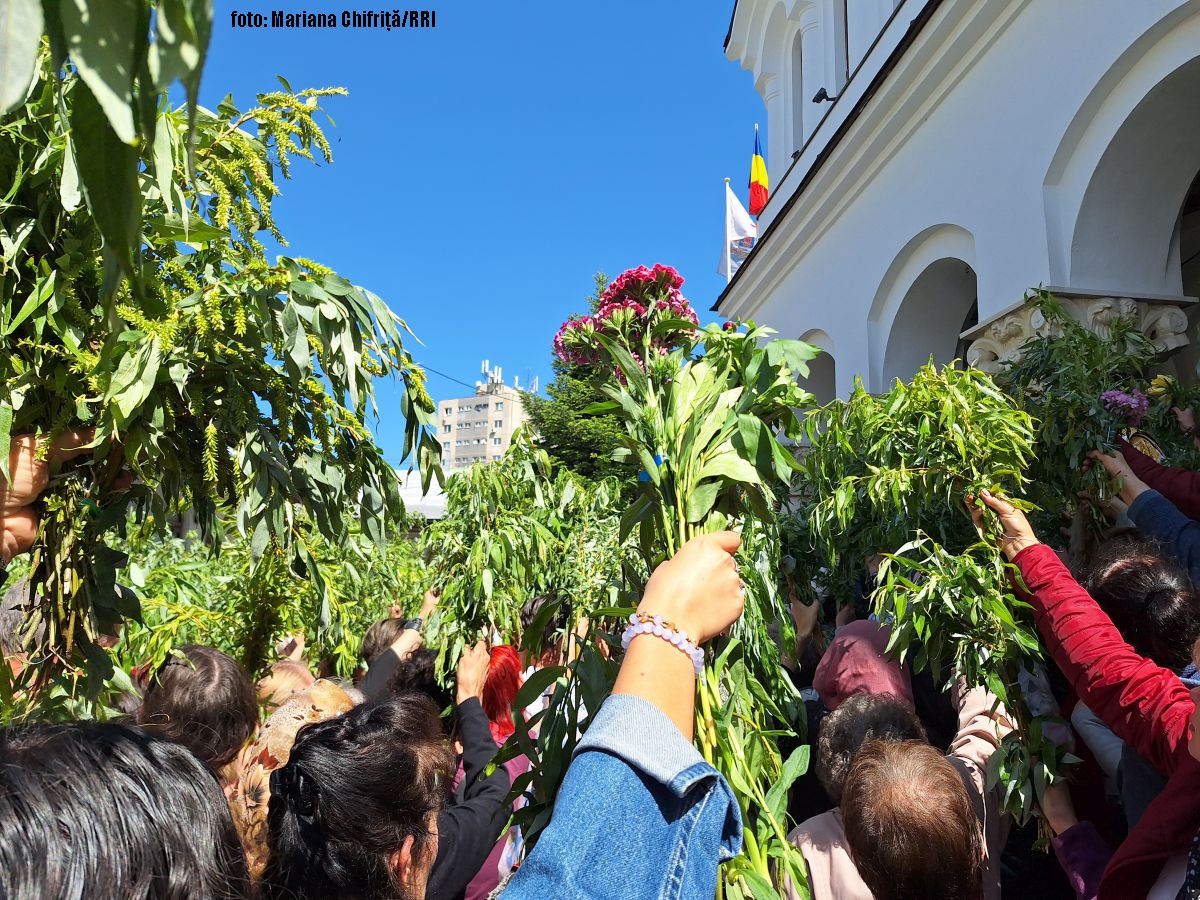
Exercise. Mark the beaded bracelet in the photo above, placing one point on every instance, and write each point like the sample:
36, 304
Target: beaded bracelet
643, 623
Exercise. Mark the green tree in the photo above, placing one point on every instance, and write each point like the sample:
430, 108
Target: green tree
582, 442
137, 299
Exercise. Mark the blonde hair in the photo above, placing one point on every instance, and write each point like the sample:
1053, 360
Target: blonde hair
286, 677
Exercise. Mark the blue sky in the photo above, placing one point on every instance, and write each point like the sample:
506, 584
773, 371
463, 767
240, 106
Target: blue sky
485, 169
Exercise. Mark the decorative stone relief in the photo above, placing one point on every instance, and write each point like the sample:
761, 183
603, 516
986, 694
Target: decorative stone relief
1000, 342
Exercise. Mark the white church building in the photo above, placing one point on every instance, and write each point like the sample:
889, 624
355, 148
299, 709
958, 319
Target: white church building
975, 149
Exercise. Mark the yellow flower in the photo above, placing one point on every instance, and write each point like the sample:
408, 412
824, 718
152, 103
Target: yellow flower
1162, 386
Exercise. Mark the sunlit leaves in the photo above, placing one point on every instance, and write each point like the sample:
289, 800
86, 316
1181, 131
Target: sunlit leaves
225, 381
890, 475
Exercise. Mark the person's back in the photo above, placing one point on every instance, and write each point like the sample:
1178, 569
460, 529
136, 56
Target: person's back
107, 812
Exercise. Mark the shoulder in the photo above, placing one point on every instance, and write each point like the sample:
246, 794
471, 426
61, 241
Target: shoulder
820, 833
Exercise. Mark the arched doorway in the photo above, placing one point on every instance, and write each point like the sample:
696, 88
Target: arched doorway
822, 371
936, 309
1139, 207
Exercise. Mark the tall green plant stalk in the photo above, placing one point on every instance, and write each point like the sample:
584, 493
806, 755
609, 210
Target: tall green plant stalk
703, 414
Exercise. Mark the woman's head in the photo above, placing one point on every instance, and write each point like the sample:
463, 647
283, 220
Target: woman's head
548, 649
107, 811
353, 813
201, 698
1150, 600
500, 689
861, 718
910, 824
272, 748
379, 637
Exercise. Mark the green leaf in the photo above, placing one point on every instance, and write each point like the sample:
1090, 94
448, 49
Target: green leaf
760, 888
600, 407
20, 38
164, 166
536, 685
133, 382
701, 500
296, 341
38, 297
68, 188
6, 420
180, 42
795, 354
173, 227
102, 36
109, 173
796, 765
730, 465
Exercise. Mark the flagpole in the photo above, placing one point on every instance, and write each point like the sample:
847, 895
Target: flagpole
728, 258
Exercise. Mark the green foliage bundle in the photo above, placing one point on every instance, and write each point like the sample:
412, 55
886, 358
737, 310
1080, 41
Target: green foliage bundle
702, 413
237, 604
515, 529
891, 474
136, 299
1059, 380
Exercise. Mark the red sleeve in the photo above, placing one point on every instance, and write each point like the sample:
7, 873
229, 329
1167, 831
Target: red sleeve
1146, 705
1180, 486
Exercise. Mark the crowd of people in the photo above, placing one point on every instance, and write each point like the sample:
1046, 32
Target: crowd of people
385, 785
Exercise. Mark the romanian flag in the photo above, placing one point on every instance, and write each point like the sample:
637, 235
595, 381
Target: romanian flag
758, 179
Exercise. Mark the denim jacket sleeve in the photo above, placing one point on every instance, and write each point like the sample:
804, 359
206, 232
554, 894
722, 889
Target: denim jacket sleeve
640, 814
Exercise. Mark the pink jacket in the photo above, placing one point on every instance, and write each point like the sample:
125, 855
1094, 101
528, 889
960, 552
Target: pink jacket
832, 874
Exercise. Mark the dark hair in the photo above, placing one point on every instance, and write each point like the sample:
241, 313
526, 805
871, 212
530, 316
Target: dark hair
1150, 600
910, 825
556, 623
379, 637
202, 698
859, 719
107, 811
352, 790
418, 672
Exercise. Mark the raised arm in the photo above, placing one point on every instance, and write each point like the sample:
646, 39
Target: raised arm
637, 791
1144, 704
469, 827
982, 724
1180, 486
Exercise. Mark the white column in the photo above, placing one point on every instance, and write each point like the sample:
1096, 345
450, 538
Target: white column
778, 128
814, 74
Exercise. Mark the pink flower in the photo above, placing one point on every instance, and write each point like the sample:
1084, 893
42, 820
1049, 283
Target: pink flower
636, 301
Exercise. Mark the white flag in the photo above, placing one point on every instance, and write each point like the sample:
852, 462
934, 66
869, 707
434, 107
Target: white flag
740, 234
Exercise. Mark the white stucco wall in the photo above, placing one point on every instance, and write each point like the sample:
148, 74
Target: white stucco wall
1034, 141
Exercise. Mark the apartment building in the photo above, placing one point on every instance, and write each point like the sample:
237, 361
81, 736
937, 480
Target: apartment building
480, 427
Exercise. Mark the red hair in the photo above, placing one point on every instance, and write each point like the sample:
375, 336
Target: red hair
500, 689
